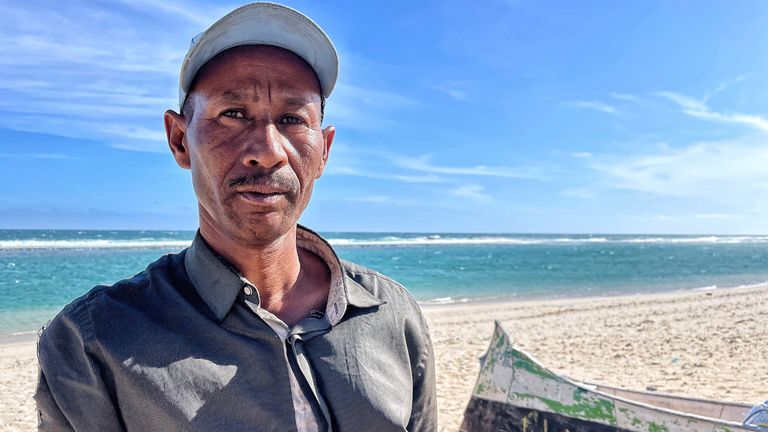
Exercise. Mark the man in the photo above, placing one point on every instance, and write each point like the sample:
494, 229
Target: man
257, 326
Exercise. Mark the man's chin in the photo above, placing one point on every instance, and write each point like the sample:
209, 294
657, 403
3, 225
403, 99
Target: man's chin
264, 228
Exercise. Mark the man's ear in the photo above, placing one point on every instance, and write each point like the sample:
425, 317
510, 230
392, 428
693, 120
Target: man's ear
328, 134
175, 132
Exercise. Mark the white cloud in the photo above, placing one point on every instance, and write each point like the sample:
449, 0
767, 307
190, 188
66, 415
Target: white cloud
423, 164
645, 218
135, 132
93, 71
724, 172
35, 156
718, 216
370, 199
573, 192
454, 90
346, 170
625, 97
707, 181
202, 17
375, 199
724, 85
459, 95
371, 163
472, 191
420, 178
364, 109
139, 146
582, 155
592, 105
698, 108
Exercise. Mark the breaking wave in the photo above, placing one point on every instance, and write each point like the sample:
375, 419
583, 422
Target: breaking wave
374, 240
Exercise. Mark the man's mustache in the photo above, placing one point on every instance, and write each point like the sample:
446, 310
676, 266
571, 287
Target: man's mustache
277, 179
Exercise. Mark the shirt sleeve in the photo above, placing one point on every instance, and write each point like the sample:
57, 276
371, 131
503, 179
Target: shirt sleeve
71, 394
424, 408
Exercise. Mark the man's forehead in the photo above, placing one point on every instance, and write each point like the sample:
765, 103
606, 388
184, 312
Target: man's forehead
288, 95
258, 66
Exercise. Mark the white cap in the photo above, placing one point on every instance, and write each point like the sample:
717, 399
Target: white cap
263, 24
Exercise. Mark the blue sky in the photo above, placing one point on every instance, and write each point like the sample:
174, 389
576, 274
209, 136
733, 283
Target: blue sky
453, 116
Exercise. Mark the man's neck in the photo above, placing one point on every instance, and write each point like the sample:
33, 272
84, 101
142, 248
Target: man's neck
291, 281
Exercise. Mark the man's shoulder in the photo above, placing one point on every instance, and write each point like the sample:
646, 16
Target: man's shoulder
379, 285
369, 277
163, 268
77, 315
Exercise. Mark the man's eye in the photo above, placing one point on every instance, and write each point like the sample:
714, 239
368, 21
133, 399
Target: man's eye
233, 114
289, 119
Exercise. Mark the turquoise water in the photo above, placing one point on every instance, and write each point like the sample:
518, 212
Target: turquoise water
41, 271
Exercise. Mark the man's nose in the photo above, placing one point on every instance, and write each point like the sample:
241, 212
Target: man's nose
264, 147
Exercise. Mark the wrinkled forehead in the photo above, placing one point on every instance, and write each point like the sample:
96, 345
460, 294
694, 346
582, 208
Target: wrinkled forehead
260, 63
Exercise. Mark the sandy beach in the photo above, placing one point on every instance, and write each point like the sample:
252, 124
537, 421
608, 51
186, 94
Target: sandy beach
707, 344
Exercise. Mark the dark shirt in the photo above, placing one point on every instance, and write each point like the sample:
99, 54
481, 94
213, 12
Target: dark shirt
184, 346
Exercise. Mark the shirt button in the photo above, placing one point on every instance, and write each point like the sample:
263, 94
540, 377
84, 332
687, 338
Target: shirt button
247, 290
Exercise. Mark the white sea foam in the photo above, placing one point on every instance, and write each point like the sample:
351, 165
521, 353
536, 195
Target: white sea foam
420, 241
503, 240
99, 242
744, 286
440, 300
447, 240
443, 301
24, 333
698, 240
93, 244
754, 285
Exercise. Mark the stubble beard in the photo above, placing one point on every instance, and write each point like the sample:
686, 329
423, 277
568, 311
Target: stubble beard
261, 228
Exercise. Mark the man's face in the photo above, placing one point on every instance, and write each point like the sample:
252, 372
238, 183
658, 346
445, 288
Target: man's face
253, 140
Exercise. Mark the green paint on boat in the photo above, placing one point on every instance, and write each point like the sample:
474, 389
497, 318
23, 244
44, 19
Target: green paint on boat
630, 415
655, 427
501, 342
529, 366
600, 410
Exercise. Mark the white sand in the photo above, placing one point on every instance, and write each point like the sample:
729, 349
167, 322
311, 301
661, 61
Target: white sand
18, 375
706, 344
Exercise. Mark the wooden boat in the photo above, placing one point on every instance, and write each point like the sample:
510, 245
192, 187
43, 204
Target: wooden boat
515, 393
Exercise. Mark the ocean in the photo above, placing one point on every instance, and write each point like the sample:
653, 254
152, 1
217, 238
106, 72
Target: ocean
42, 270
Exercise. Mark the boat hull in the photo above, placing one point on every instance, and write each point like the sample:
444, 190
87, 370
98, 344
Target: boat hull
484, 415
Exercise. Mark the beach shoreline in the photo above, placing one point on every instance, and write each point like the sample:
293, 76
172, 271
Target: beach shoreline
570, 296
19, 338
702, 343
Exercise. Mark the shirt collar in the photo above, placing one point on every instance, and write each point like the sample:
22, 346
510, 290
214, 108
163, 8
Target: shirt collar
218, 283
